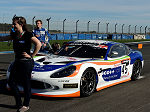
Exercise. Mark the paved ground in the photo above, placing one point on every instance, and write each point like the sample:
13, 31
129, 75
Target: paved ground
133, 96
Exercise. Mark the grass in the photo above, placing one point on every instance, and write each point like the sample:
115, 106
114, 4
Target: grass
4, 45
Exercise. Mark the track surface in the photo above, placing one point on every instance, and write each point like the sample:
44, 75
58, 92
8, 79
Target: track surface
133, 96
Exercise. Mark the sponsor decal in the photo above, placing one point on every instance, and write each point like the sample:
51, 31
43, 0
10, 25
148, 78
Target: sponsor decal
120, 70
111, 74
72, 59
63, 80
83, 43
22, 42
42, 32
41, 68
75, 85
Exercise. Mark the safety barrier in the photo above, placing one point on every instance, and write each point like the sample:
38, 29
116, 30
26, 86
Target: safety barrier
75, 36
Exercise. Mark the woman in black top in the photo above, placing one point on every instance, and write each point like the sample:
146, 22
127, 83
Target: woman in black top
20, 73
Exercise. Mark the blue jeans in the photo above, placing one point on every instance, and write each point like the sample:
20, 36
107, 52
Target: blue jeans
20, 74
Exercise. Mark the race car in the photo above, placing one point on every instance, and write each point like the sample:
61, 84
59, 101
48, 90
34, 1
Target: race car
82, 67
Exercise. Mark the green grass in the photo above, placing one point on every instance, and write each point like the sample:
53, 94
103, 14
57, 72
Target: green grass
4, 45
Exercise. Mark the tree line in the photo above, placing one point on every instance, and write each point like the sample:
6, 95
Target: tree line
4, 27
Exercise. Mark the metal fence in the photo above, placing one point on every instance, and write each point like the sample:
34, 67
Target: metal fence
78, 26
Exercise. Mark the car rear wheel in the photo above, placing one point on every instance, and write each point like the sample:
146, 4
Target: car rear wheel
137, 67
88, 82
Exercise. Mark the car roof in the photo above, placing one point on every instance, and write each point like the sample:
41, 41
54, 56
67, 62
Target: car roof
99, 42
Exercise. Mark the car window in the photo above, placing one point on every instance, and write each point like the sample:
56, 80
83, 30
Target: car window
83, 51
117, 51
127, 49
90, 52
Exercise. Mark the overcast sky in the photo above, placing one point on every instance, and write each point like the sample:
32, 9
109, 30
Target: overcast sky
136, 12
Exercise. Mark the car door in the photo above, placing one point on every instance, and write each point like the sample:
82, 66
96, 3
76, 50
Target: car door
119, 61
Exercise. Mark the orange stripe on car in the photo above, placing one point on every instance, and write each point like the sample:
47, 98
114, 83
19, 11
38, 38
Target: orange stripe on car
76, 94
98, 89
109, 62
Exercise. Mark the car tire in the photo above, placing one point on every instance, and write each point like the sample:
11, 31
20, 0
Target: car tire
88, 82
136, 72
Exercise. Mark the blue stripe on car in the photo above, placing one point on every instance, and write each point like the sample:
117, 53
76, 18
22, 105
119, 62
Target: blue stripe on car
46, 68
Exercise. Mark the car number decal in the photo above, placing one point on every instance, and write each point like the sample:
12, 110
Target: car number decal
125, 68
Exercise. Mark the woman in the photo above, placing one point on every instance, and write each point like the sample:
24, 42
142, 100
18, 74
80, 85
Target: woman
23, 64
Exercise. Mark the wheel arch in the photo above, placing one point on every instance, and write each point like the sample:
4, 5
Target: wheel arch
135, 55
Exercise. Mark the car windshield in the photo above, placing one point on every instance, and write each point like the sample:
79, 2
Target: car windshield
83, 51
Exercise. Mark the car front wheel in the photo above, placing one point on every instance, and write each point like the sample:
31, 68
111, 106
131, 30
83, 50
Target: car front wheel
88, 82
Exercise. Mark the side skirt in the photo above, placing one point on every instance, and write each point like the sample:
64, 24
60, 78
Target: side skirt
109, 85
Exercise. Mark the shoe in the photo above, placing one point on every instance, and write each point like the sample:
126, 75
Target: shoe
23, 109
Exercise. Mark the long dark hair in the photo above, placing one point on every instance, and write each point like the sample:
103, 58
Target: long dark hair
21, 21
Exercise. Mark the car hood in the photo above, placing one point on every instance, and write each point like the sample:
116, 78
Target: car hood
53, 62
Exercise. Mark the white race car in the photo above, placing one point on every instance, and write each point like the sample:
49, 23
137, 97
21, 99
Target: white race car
83, 66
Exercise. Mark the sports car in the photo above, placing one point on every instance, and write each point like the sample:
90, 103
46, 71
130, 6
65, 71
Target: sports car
82, 67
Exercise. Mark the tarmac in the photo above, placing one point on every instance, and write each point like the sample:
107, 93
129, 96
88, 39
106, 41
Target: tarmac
132, 96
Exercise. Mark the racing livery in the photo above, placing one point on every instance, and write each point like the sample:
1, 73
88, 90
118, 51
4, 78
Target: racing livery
80, 67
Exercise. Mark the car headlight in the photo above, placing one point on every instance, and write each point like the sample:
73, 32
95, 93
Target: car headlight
64, 72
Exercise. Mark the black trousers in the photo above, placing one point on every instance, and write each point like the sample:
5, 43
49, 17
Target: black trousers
20, 74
